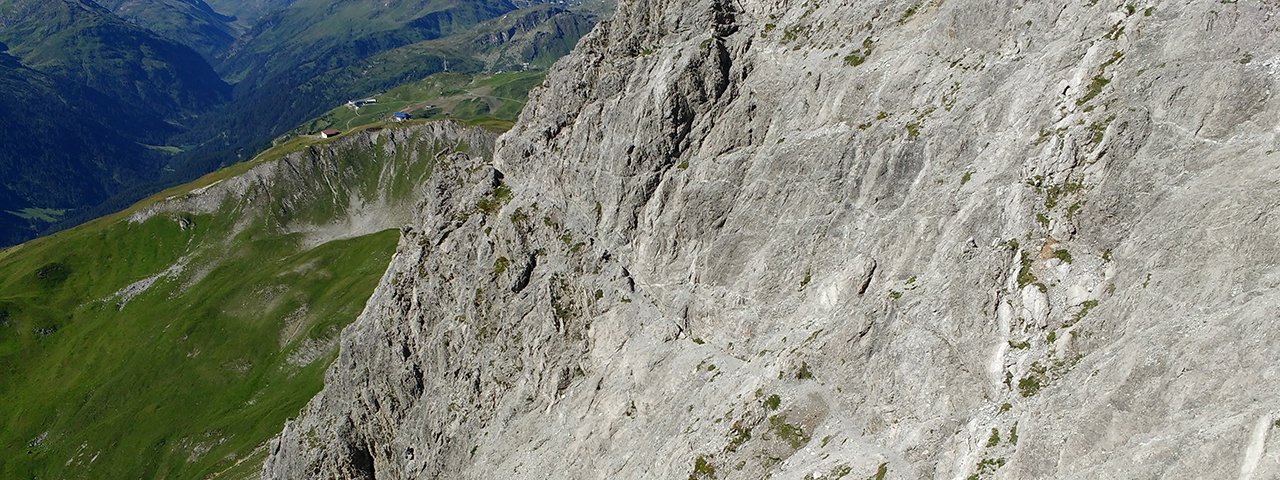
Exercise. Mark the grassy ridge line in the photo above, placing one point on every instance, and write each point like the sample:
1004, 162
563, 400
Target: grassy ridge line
175, 346
491, 101
271, 154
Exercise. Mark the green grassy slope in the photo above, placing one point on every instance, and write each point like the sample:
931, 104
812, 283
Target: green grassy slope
318, 34
171, 340
190, 22
104, 106
490, 100
314, 56
83, 92
532, 38
247, 13
81, 41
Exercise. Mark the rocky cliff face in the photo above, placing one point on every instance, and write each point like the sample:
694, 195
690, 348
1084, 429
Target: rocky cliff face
362, 183
798, 240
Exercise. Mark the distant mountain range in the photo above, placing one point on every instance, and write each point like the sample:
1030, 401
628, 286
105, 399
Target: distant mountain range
107, 102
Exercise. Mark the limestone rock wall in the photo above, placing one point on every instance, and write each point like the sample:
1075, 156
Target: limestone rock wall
797, 240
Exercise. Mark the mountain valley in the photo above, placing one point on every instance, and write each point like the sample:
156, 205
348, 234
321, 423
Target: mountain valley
153, 93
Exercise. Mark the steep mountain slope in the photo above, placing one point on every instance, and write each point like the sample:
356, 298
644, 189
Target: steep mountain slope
81, 41
190, 22
322, 34
173, 339
532, 37
885, 239
85, 95
124, 106
49, 166
493, 101
248, 13
317, 54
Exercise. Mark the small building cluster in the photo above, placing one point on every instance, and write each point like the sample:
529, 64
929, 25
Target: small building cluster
400, 117
361, 103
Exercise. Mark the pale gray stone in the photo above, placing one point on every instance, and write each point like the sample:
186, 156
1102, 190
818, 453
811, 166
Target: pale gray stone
701, 183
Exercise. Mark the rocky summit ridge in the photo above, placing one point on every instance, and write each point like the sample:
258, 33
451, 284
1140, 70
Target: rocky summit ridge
872, 239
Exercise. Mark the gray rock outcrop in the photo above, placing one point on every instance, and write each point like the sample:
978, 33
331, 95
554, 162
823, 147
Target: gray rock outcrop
964, 239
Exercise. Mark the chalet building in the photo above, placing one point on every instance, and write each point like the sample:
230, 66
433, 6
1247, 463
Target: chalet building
329, 133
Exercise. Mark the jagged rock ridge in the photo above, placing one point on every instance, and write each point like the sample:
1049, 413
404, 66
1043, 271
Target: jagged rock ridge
889, 239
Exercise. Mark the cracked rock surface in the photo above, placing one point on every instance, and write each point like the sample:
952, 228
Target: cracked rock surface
886, 239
